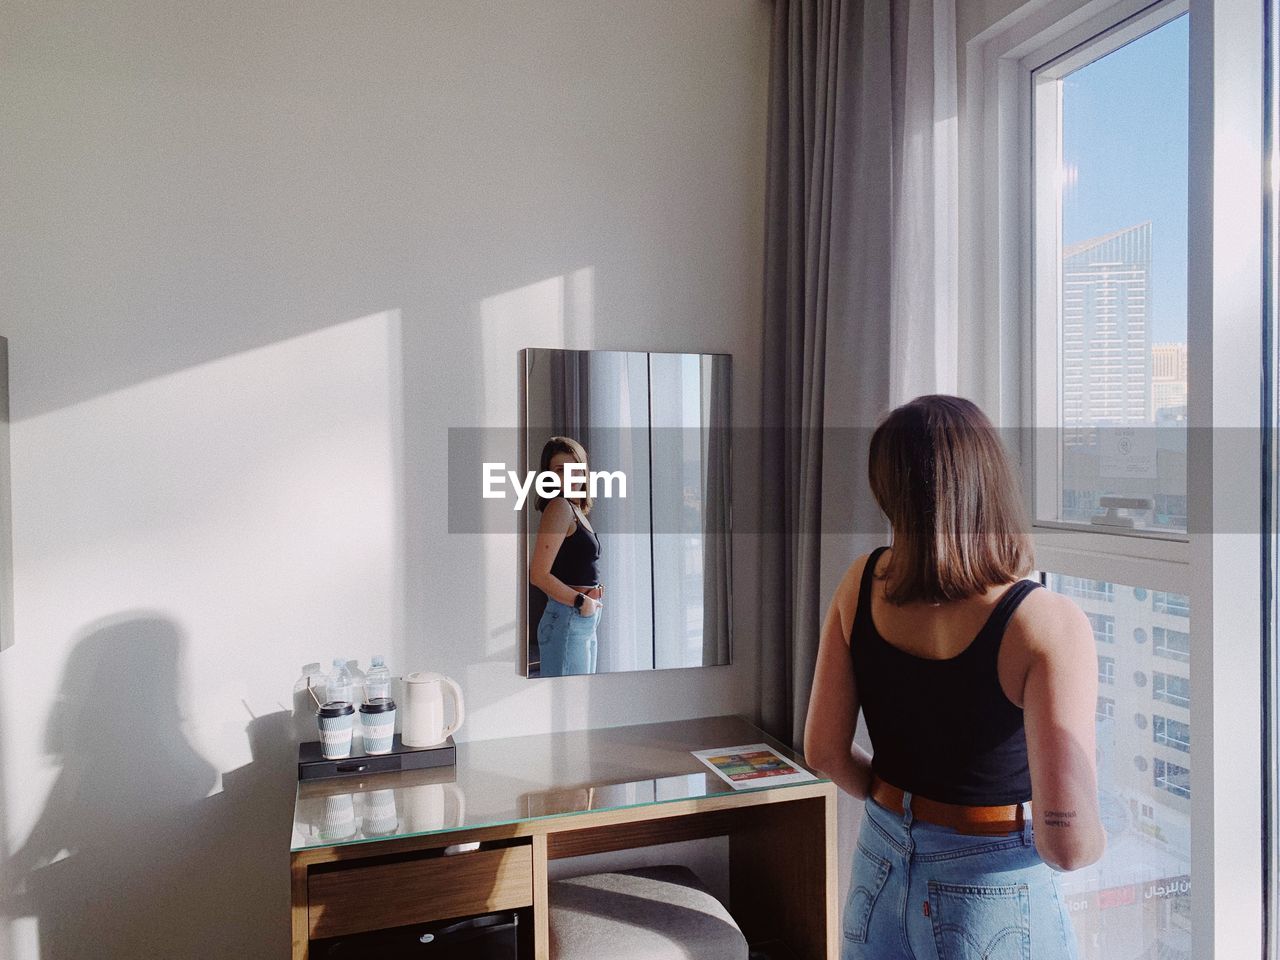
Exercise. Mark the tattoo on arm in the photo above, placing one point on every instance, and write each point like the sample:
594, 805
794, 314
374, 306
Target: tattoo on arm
1059, 818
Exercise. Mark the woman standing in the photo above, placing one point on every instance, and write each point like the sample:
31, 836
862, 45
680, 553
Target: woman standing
979, 692
565, 567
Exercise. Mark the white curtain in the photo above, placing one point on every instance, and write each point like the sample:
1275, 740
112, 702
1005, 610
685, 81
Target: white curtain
922, 314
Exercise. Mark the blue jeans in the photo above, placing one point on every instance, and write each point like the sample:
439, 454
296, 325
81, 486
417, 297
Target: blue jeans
920, 891
566, 640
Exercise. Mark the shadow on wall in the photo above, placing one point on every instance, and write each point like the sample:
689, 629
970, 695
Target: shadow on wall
131, 856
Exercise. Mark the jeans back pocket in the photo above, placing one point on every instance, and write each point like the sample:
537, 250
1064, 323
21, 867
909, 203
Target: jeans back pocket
976, 922
869, 875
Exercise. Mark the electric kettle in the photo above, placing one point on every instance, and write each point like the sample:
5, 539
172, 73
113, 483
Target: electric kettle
423, 724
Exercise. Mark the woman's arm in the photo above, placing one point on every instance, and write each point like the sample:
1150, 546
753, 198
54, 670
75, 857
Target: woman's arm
833, 701
1059, 702
556, 519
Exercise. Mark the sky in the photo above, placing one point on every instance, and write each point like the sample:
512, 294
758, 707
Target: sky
1124, 130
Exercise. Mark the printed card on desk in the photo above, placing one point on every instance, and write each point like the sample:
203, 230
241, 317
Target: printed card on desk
752, 765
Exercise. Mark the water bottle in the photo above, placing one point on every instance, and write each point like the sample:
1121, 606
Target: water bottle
338, 686
377, 682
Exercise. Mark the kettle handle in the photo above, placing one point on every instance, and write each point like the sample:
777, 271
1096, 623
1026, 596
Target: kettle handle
457, 706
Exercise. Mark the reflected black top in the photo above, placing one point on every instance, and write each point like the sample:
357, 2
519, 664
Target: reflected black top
576, 562
942, 729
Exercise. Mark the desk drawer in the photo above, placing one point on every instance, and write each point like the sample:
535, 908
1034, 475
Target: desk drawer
357, 898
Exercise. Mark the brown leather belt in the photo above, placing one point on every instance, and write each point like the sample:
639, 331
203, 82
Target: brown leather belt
959, 817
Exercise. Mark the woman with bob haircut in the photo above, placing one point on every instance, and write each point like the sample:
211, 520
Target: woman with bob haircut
978, 690
565, 566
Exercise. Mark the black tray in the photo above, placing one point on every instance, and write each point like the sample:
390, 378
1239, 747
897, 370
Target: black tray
313, 766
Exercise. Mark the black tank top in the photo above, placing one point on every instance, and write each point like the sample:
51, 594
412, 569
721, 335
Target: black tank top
942, 729
575, 562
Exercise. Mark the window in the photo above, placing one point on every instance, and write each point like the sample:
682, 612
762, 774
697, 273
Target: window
1070, 101
1171, 777
1171, 644
1171, 510
1174, 604
1171, 733
1142, 851
1171, 689
1085, 589
1110, 151
1104, 627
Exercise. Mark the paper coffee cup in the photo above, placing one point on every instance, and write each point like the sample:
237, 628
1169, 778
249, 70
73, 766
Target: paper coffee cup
378, 724
335, 720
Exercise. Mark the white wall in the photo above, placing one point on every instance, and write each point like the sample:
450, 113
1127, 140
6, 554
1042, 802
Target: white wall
257, 260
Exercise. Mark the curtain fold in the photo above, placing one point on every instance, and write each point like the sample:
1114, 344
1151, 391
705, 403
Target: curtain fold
859, 293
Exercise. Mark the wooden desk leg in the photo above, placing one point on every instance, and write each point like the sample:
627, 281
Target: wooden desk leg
782, 876
541, 910
298, 910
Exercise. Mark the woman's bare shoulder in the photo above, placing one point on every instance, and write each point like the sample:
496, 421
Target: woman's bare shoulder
846, 598
557, 514
1048, 624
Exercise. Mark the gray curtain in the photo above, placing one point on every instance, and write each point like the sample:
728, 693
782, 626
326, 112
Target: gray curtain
571, 389
826, 377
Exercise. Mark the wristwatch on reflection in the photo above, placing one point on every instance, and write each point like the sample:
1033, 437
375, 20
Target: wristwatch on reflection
578, 601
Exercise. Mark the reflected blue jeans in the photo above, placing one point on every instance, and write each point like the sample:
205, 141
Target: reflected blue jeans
566, 640
920, 891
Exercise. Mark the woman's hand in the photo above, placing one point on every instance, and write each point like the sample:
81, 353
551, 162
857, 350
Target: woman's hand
589, 606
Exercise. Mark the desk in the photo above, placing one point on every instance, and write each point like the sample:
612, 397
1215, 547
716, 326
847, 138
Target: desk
367, 852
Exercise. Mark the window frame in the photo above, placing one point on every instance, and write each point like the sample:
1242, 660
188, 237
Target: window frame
1054, 58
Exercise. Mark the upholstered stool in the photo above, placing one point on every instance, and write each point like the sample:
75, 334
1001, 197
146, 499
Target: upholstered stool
649, 913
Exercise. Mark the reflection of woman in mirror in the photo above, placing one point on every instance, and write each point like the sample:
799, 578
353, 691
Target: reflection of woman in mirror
565, 567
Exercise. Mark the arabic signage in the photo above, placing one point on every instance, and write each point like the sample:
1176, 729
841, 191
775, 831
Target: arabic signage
1110, 897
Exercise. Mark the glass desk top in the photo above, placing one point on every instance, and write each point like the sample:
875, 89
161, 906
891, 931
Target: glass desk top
512, 779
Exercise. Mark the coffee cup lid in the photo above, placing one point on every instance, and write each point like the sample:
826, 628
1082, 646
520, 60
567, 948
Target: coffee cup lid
335, 708
378, 705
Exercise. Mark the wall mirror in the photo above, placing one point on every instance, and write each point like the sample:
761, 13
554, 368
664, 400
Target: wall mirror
660, 554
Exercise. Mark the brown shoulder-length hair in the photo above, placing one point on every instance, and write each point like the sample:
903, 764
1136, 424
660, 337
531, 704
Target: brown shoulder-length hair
579, 454
943, 479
